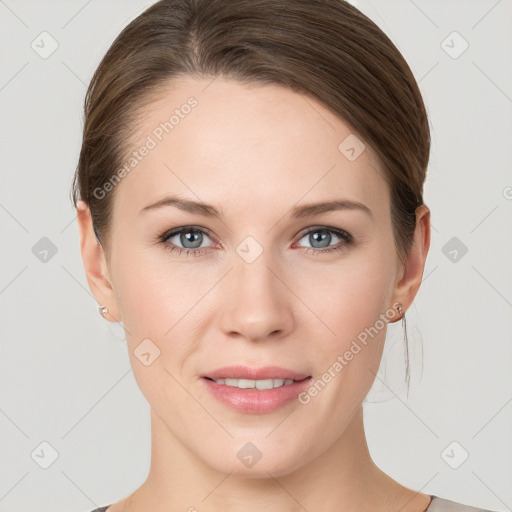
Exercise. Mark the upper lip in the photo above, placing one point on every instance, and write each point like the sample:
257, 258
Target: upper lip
247, 372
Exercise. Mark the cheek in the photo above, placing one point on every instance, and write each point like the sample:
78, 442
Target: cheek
153, 295
162, 308
350, 297
352, 302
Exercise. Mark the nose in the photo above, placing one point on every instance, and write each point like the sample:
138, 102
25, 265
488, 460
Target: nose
256, 303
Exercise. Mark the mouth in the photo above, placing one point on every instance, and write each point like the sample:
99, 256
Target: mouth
255, 390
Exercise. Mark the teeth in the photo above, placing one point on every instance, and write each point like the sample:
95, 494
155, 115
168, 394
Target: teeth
255, 384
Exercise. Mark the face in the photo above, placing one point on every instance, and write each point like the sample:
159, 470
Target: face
256, 280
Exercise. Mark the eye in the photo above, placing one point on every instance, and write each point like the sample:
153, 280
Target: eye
320, 238
187, 239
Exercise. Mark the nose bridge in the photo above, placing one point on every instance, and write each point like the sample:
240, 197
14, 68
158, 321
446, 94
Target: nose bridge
256, 303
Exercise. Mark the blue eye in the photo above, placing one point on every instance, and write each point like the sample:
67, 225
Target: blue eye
192, 240
321, 244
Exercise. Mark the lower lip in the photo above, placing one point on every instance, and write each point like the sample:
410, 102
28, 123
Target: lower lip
256, 401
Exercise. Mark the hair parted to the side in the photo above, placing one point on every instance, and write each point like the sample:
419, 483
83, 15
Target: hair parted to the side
324, 48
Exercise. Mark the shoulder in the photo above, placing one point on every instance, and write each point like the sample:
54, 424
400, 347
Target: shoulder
442, 505
101, 509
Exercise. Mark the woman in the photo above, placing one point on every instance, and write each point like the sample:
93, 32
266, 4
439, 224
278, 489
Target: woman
249, 196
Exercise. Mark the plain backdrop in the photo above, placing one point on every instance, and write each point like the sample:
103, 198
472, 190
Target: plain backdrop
75, 427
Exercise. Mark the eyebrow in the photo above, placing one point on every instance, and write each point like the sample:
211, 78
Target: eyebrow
308, 210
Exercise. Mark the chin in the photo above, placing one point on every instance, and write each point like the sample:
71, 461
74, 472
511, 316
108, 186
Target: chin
250, 462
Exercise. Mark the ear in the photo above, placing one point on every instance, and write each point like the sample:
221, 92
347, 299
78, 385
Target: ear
410, 277
95, 265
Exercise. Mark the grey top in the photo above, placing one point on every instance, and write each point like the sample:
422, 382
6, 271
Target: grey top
441, 505
436, 505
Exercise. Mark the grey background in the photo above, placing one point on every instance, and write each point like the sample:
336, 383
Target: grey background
65, 377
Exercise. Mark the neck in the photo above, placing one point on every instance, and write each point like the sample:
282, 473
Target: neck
345, 474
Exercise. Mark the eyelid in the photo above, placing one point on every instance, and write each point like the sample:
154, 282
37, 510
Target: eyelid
176, 231
339, 231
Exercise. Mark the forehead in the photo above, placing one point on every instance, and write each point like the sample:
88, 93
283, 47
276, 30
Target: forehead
246, 144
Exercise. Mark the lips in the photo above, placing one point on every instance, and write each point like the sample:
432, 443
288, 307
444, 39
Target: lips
251, 373
255, 390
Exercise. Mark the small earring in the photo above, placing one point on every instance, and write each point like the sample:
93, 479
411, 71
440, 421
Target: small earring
103, 310
400, 309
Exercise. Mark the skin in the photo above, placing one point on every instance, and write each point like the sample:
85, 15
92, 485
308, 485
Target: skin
254, 152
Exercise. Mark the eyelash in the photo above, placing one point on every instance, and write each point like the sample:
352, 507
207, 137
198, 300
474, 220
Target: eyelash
346, 237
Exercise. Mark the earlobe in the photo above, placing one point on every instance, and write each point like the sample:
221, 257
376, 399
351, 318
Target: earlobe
411, 276
95, 266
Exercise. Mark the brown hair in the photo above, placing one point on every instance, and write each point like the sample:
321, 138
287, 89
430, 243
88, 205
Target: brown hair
324, 48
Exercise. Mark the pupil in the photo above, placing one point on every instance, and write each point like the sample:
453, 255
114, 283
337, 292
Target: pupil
191, 236
324, 238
